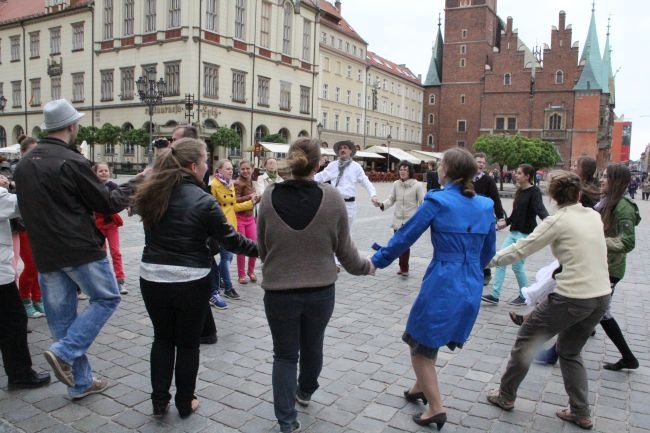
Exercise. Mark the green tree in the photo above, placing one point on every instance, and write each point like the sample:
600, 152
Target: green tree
512, 150
138, 136
108, 134
274, 138
225, 137
87, 134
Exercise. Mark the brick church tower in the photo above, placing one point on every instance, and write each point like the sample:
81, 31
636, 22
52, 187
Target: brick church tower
483, 79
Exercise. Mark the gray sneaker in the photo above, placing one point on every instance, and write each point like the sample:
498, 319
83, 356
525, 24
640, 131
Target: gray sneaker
62, 370
99, 385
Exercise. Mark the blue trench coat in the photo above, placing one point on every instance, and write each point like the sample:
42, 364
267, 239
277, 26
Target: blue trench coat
463, 238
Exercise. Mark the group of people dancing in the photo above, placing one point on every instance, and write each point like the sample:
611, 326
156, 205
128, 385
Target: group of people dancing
186, 224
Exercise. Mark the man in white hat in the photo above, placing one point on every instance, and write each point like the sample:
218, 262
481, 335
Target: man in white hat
345, 173
57, 195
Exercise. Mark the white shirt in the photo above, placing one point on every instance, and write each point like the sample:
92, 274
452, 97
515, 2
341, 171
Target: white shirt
8, 209
352, 175
264, 181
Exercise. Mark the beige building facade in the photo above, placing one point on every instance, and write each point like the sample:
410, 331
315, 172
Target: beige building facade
258, 67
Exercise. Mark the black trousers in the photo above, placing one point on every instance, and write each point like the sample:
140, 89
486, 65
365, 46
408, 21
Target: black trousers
177, 311
13, 333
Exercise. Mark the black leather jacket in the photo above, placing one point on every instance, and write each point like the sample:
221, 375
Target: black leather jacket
192, 217
57, 195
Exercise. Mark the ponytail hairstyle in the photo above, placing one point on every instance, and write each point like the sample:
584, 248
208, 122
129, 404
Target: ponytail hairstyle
304, 157
565, 187
586, 167
460, 168
618, 179
172, 166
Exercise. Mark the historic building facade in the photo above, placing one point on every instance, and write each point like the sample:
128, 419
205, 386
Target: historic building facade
483, 79
250, 65
363, 96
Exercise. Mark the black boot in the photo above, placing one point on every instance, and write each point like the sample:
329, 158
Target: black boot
614, 333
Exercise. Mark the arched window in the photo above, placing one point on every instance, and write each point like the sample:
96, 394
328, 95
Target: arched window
239, 129
3, 137
432, 99
261, 132
559, 77
431, 119
284, 132
507, 79
430, 140
303, 133
555, 121
210, 123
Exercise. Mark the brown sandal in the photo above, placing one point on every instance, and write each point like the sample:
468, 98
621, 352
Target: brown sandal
582, 422
494, 397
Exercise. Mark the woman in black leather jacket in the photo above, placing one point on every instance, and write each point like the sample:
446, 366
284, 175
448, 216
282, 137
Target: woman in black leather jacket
178, 218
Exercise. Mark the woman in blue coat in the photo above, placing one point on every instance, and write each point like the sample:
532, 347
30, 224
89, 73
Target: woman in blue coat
463, 236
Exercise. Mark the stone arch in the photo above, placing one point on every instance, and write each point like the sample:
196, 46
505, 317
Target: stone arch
210, 124
3, 137
17, 132
260, 132
303, 133
284, 132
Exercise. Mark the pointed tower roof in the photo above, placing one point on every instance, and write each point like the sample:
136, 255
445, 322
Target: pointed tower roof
608, 76
434, 75
591, 76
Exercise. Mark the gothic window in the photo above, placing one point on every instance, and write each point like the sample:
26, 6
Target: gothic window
507, 79
555, 121
431, 119
559, 77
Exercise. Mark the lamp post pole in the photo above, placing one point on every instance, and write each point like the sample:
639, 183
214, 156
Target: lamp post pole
189, 106
151, 93
388, 139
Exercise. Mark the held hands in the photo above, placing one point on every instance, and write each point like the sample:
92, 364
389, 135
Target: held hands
373, 269
501, 224
375, 201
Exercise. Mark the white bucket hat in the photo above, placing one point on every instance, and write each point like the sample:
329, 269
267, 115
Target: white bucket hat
58, 114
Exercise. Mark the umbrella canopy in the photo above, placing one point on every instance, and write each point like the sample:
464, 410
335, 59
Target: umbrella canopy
14, 148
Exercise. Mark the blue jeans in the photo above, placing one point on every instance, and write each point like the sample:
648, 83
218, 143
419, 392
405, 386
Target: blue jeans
517, 267
297, 321
73, 333
221, 272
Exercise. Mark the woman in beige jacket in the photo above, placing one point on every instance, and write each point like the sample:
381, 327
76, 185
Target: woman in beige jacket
407, 196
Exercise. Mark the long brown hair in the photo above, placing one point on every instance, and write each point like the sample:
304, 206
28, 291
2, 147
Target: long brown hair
618, 179
151, 200
586, 170
460, 168
304, 155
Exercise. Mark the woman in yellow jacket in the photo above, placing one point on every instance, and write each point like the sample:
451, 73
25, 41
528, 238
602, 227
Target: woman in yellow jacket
223, 189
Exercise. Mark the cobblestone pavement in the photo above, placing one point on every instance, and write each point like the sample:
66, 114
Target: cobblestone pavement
366, 365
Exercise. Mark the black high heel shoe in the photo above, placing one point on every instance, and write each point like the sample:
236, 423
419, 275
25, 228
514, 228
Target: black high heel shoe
439, 419
413, 398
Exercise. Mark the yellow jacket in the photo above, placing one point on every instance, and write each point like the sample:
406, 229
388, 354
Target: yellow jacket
228, 200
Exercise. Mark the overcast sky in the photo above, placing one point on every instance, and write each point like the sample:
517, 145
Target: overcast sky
404, 32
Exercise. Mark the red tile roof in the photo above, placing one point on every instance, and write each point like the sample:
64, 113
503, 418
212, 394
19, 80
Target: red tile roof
331, 17
18, 10
386, 65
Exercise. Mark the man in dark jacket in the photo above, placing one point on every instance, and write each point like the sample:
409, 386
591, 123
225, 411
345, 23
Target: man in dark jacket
486, 186
57, 195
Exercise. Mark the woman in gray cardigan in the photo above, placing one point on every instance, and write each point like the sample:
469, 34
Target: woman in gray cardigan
293, 215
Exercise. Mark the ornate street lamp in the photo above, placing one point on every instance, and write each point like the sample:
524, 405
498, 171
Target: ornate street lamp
189, 106
3, 103
151, 93
388, 139
319, 128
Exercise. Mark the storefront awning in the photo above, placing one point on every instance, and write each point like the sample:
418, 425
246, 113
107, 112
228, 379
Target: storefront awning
395, 153
426, 156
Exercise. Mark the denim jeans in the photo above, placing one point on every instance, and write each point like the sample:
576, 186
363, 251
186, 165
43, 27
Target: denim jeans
177, 312
221, 272
73, 333
297, 321
517, 267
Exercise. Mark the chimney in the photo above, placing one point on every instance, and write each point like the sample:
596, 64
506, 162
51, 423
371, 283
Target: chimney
337, 5
509, 26
562, 20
